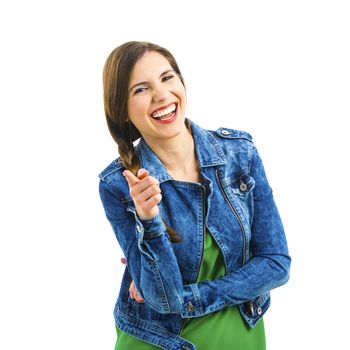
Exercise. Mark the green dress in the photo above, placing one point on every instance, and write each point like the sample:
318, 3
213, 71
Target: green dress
224, 329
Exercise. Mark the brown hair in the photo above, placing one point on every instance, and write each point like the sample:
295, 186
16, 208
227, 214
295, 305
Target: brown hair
116, 78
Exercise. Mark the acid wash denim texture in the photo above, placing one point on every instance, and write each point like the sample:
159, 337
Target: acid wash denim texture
240, 214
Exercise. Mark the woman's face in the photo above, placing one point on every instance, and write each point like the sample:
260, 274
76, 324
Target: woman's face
156, 98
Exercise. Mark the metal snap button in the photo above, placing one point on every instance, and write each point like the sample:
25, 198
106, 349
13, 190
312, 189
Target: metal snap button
190, 307
225, 132
243, 187
259, 310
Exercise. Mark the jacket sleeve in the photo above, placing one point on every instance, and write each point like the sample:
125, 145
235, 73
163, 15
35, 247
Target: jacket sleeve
147, 248
268, 268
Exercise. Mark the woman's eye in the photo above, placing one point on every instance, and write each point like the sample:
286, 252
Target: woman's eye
167, 77
140, 89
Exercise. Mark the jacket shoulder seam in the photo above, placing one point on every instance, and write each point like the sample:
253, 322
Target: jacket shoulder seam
229, 133
110, 169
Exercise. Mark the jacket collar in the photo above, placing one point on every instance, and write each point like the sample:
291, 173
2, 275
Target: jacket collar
208, 150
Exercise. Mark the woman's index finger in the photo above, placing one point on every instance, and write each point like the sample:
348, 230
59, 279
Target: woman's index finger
130, 177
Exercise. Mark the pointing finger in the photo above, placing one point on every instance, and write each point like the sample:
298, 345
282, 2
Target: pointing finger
130, 177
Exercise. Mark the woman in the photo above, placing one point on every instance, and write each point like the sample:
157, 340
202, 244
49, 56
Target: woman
192, 211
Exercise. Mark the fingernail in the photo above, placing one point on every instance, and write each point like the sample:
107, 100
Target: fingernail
142, 173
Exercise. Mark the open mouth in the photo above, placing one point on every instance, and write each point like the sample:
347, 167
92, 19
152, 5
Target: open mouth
166, 113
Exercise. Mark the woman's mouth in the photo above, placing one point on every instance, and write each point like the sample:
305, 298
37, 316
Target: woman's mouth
166, 115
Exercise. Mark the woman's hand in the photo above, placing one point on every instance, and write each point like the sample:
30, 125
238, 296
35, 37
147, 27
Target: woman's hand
134, 293
145, 192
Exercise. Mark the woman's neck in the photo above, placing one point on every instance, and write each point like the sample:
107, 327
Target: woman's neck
178, 155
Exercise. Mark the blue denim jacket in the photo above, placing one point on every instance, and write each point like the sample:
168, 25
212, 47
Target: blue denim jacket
234, 201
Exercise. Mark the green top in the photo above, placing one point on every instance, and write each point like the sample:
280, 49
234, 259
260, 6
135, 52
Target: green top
224, 329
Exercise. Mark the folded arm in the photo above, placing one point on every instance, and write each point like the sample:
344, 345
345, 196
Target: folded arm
268, 268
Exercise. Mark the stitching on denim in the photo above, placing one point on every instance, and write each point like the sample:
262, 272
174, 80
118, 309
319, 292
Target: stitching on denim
117, 166
244, 171
262, 299
250, 156
237, 191
217, 146
233, 198
253, 320
215, 308
143, 251
238, 134
197, 298
163, 297
112, 188
184, 184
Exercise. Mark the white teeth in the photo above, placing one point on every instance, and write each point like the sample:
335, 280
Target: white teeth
170, 116
165, 111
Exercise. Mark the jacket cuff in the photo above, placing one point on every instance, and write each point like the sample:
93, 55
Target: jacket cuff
192, 304
149, 228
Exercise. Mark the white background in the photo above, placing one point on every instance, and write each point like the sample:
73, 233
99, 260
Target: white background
278, 69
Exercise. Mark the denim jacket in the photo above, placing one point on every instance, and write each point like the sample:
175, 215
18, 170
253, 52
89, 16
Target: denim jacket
234, 201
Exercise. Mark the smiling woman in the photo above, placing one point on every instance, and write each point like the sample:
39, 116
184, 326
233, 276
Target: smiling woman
156, 98
192, 211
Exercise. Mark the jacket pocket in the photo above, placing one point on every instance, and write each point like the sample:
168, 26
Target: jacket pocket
241, 185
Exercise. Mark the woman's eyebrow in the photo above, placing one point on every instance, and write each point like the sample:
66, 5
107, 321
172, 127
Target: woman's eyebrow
145, 82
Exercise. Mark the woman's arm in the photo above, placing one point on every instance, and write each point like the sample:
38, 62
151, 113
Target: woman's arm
268, 268
147, 248
257, 277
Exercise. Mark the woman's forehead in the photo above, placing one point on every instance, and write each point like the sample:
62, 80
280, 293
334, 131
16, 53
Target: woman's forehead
151, 64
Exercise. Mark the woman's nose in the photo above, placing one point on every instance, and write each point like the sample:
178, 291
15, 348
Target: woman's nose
160, 93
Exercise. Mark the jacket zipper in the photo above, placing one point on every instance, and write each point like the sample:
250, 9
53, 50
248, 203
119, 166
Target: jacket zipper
249, 303
236, 215
203, 224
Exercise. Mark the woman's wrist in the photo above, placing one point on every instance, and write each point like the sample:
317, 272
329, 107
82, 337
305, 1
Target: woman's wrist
147, 216
149, 228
